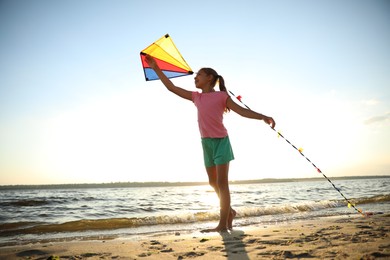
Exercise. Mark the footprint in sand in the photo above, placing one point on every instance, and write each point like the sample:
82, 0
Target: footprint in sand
190, 255
155, 246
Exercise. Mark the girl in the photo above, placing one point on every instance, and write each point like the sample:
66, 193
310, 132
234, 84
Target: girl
217, 150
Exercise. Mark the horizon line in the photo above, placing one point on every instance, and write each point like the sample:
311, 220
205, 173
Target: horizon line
169, 183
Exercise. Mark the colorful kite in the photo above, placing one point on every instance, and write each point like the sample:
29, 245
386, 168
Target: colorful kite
168, 58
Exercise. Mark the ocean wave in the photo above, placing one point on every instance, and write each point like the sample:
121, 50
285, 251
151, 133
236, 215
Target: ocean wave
24, 203
374, 199
8, 229
47, 201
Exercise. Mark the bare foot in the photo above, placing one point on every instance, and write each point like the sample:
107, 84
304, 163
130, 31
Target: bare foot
232, 215
217, 229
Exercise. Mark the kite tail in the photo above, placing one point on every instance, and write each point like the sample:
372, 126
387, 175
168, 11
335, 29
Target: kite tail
349, 203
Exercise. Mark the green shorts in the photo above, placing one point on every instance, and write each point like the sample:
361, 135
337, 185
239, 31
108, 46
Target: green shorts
217, 151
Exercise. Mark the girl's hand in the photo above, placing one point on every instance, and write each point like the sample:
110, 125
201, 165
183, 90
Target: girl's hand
270, 121
151, 61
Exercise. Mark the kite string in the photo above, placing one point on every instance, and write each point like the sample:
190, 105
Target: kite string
350, 204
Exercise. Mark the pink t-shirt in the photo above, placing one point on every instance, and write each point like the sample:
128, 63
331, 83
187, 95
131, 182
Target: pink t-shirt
211, 107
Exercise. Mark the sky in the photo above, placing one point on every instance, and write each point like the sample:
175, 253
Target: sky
75, 107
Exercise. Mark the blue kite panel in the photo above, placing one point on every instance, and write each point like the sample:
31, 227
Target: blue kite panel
150, 74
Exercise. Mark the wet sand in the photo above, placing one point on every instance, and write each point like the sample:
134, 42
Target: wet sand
353, 237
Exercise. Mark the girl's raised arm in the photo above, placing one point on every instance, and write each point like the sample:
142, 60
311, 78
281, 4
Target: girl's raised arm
167, 82
249, 113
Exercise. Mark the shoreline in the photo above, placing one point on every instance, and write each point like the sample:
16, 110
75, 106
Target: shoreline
346, 237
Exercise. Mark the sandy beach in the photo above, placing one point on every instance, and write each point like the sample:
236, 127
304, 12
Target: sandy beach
353, 237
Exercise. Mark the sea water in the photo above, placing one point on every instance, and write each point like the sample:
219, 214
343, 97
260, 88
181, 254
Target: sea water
50, 214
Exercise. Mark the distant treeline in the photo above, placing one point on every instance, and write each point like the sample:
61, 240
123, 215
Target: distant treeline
102, 185
172, 184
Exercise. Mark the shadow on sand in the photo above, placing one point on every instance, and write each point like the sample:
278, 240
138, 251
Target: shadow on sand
234, 245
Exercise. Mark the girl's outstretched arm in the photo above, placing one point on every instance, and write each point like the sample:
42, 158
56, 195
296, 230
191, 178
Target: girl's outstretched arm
249, 113
167, 82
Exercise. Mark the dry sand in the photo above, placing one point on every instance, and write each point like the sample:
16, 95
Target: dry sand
353, 237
